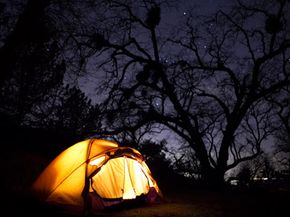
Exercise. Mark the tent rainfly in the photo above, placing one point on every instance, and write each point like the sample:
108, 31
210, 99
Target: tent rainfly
95, 174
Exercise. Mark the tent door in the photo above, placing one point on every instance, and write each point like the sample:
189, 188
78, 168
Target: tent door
128, 189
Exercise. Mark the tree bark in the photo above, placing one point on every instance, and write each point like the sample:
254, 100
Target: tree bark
213, 178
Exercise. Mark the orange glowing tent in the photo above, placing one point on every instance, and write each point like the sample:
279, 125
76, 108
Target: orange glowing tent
97, 174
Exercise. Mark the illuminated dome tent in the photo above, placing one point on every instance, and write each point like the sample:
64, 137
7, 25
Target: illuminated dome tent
96, 173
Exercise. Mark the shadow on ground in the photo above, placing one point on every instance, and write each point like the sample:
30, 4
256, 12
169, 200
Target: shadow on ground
183, 203
19, 168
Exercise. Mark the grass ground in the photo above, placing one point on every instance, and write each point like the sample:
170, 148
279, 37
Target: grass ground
19, 169
214, 204
191, 203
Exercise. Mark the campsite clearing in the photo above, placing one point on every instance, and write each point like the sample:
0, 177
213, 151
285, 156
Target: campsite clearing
190, 203
21, 167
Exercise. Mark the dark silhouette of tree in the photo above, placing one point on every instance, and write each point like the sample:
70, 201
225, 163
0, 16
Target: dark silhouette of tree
212, 81
212, 90
36, 53
282, 133
23, 36
69, 110
31, 64
255, 172
268, 170
245, 175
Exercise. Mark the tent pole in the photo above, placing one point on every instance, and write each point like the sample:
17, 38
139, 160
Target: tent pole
85, 193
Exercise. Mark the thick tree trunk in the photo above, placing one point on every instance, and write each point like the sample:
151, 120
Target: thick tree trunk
213, 178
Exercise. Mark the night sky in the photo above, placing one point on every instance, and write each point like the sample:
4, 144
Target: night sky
171, 17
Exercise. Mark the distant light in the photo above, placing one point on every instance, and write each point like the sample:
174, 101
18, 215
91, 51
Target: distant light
204, 46
234, 182
184, 13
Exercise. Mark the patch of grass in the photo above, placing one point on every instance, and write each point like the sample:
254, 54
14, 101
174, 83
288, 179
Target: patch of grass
21, 168
194, 203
